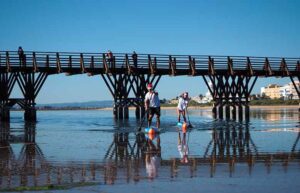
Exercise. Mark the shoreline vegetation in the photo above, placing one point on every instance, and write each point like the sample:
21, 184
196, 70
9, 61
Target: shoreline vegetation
276, 103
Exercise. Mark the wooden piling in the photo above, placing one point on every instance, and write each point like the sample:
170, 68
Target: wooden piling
240, 112
227, 111
220, 112
126, 112
233, 111
4, 114
30, 114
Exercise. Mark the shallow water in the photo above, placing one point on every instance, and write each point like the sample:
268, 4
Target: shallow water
65, 148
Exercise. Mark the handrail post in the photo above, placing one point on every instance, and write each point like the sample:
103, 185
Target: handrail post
92, 65
230, 68
267, 67
70, 62
249, 66
7, 62
283, 67
82, 63
58, 65
47, 61
105, 67
211, 67
127, 64
34, 62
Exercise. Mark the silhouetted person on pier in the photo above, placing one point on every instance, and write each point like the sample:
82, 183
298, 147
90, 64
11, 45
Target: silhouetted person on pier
152, 105
110, 57
21, 55
134, 58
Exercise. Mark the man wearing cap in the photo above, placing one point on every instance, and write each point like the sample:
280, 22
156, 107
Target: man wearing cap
152, 105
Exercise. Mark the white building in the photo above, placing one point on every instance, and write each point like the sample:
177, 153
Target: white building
206, 98
287, 91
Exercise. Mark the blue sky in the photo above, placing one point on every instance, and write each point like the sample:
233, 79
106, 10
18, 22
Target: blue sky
252, 28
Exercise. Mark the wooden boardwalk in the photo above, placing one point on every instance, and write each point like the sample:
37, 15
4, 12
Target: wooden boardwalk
229, 79
157, 64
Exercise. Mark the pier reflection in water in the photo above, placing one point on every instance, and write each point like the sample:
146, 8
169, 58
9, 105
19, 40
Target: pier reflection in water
224, 147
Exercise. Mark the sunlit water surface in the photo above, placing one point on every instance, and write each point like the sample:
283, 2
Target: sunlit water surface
90, 148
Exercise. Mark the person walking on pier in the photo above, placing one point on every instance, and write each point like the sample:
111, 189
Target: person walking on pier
182, 106
110, 57
21, 55
134, 58
152, 105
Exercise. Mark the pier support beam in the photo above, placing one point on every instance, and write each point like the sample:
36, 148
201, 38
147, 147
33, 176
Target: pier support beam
4, 114
7, 82
121, 86
230, 91
4, 132
29, 132
30, 86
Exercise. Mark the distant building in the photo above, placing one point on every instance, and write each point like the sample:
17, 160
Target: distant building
207, 98
272, 91
286, 92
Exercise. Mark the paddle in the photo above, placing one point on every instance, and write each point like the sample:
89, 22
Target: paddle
187, 114
143, 120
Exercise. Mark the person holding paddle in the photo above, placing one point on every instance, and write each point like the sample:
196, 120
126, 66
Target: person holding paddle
182, 106
152, 105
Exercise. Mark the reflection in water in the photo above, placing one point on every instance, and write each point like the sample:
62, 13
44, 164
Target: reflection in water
30, 163
275, 114
183, 147
132, 157
153, 156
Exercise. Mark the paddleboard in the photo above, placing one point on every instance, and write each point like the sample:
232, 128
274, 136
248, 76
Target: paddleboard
182, 126
151, 130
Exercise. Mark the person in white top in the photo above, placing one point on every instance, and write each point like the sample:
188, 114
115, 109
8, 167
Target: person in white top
182, 105
152, 105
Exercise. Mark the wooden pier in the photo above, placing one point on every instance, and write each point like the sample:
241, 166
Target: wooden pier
230, 79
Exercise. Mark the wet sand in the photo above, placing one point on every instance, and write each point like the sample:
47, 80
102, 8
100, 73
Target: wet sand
259, 181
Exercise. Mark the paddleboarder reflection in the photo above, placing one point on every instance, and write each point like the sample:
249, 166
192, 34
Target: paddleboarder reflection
183, 147
153, 155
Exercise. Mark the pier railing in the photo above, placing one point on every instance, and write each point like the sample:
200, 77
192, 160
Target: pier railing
160, 64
